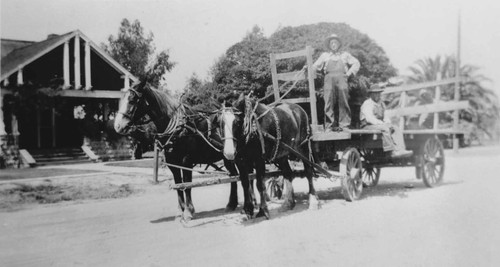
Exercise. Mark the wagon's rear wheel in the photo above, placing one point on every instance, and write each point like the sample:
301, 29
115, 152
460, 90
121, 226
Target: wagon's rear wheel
371, 175
350, 165
432, 166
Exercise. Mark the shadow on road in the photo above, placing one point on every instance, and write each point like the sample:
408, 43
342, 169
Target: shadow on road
384, 189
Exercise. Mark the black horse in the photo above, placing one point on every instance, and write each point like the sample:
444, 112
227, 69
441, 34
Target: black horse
189, 137
253, 133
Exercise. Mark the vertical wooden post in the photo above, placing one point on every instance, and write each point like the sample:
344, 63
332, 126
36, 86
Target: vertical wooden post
88, 77
312, 90
437, 99
155, 167
274, 75
78, 81
66, 65
402, 104
457, 89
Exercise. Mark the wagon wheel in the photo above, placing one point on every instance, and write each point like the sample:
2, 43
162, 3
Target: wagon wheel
274, 188
350, 165
371, 176
370, 173
432, 165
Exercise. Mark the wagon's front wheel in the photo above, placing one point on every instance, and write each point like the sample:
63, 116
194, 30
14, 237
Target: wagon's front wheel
432, 165
351, 167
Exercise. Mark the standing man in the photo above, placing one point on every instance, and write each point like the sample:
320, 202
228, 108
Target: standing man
337, 66
372, 118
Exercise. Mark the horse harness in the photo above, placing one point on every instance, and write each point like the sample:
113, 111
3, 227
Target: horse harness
178, 127
252, 126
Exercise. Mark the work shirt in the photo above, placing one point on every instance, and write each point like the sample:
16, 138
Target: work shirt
372, 113
351, 64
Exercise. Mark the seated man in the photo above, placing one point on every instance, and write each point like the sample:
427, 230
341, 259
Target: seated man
372, 118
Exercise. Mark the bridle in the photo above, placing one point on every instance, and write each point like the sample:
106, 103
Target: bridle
132, 108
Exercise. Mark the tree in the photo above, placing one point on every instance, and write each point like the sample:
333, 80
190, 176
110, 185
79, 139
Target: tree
484, 106
245, 65
135, 50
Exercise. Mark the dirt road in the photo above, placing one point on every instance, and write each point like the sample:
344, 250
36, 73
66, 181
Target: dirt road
397, 223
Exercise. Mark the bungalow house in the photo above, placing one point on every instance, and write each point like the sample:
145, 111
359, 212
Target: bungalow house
55, 94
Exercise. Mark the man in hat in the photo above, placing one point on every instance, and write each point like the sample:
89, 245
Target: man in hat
338, 66
372, 118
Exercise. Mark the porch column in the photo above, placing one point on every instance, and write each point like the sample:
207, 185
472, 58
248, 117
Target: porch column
88, 81
66, 65
78, 82
20, 79
2, 124
126, 85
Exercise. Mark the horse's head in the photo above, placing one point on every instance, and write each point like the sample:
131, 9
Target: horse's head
231, 131
130, 110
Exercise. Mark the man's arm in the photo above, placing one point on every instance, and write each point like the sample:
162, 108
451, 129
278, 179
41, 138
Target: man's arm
353, 62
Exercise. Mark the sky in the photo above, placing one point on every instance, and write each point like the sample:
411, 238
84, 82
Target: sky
198, 32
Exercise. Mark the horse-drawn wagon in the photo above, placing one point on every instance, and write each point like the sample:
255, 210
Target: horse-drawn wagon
272, 132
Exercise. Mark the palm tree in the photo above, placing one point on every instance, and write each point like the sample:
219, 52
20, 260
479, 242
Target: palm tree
484, 105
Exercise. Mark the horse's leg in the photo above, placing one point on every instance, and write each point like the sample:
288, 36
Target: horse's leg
189, 210
251, 189
260, 169
288, 194
247, 205
180, 194
233, 196
313, 198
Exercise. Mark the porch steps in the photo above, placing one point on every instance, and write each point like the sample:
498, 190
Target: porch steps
59, 156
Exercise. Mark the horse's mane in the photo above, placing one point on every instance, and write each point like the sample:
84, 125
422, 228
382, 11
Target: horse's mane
166, 104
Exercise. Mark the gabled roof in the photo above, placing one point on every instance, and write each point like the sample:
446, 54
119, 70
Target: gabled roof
23, 56
8, 45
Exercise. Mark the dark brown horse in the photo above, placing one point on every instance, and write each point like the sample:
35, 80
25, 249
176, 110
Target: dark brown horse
189, 137
253, 134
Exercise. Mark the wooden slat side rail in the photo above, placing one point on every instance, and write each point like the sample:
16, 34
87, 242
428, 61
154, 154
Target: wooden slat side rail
410, 87
291, 76
430, 108
434, 131
299, 53
297, 100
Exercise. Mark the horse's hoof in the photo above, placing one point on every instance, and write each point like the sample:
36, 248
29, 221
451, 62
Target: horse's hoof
187, 216
230, 207
287, 205
263, 212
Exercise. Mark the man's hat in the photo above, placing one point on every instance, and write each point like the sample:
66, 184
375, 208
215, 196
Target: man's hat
375, 88
329, 38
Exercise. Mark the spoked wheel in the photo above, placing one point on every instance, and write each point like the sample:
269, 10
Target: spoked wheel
370, 173
371, 176
432, 166
274, 188
351, 166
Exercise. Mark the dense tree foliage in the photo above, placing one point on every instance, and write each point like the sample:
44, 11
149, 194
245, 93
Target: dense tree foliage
245, 67
135, 50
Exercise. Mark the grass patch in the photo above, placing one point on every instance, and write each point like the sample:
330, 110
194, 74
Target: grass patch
12, 174
47, 193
